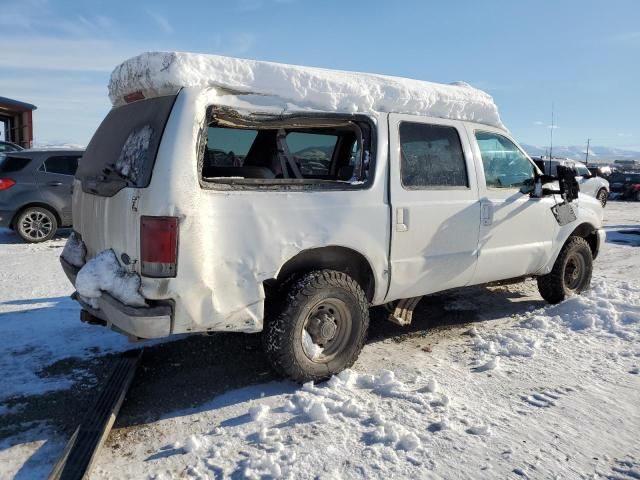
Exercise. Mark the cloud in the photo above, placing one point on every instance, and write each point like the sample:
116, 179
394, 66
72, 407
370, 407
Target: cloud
161, 21
538, 123
627, 37
50, 53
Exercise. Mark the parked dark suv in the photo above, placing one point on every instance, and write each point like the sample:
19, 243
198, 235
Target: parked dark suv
35, 191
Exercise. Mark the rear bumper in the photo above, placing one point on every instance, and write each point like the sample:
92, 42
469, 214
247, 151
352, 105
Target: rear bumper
5, 218
140, 322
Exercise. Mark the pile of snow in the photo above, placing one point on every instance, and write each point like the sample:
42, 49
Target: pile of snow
609, 308
162, 73
103, 273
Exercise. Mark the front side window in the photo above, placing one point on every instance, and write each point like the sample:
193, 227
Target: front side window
63, 164
582, 171
431, 156
505, 166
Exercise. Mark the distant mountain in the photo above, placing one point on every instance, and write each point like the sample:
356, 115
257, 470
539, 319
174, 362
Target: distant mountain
55, 144
577, 152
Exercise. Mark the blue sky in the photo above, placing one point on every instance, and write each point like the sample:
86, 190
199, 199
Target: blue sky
581, 55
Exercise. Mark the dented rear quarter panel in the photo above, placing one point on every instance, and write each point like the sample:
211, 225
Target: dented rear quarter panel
231, 241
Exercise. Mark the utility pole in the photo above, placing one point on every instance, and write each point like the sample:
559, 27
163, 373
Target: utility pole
551, 134
586, 158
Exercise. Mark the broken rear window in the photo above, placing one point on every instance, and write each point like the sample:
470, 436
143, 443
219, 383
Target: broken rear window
277, 151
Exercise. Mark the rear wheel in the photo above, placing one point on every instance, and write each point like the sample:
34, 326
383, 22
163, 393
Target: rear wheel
571, 273
318, 327
602, 196
638, 196
36, 224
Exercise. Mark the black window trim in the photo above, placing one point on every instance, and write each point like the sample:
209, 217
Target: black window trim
299, 121
536, 170
433, 187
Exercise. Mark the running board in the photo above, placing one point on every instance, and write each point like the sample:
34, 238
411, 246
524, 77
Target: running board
80, 452
403, 311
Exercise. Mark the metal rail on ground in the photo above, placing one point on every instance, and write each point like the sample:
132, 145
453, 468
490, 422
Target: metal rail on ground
80, 452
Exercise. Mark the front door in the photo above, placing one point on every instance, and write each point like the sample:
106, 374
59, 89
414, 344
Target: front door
516, 230
434, 200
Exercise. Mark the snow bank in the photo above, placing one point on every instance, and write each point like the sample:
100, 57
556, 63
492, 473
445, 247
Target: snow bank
609, 308
162, 73
103, 273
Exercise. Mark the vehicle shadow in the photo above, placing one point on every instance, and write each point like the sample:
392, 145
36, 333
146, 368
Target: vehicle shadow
9, 237
623, 235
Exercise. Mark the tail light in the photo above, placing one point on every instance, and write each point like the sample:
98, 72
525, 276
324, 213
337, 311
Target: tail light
159, 246
6, 183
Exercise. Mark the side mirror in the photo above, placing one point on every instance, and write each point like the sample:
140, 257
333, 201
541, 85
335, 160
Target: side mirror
569, 187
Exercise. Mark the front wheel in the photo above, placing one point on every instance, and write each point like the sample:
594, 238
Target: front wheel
602, 196
319, 326
571, 273
36, 224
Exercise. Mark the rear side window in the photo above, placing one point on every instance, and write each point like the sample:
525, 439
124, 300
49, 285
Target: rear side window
61, 164
281, 155
431, 156
123, 149
13, 164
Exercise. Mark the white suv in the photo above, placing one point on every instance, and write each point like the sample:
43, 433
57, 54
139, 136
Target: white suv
213, 198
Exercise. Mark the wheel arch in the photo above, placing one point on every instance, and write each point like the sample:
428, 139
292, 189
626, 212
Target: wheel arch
589, 232
333, 257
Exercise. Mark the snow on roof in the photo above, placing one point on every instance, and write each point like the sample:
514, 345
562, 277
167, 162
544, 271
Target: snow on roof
162, 73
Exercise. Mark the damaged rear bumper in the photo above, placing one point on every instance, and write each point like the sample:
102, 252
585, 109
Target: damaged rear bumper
140, 322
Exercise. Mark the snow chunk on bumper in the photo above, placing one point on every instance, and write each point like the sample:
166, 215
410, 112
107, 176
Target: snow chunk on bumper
74, 251
103, 273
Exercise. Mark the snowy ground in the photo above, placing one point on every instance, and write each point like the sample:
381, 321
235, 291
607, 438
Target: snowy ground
487, 383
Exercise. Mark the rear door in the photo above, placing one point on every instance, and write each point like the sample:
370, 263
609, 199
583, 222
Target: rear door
436, 211
516, 230
55, 180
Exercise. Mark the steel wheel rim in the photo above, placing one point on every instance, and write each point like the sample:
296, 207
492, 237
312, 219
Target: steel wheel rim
329, 310
36, 225
574, 272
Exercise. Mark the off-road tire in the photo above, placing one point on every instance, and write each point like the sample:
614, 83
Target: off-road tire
602, 197
557, 285
36, 224
289, 310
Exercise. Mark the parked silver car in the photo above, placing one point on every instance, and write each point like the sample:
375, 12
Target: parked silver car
35, 191
590, 184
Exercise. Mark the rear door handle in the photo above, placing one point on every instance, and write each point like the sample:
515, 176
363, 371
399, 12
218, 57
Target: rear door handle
54, 184
401, 220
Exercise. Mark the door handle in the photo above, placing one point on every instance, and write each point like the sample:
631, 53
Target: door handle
54, 184
486, 213
401, 221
